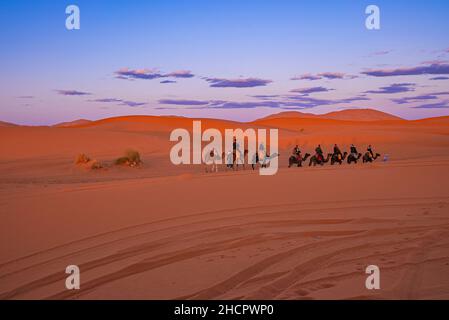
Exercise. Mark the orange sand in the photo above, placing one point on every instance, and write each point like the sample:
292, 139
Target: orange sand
163, 231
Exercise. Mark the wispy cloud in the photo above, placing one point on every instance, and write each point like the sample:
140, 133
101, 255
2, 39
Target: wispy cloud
237, 83
120, 102
180, 74
132, 103
167, 81
266, 96
332, 75
308, 102
438, 105
429, 96
381, 53
436, 61
107, 100
73, 93
394, 88
246, 105
323, 75
439, 78
145, 74
184, 102
419, 70
150, 74
309, 90
25, 97
220, 104
307, 76
285, 102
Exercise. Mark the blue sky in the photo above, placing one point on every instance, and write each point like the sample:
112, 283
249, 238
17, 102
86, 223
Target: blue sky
225, 59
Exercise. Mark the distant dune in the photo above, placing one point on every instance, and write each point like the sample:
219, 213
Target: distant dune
290, 114
7, 124
436, 120
360, 115
73, 123
347, 115
162, 123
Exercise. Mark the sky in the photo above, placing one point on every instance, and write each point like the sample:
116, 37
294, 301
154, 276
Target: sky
238, 60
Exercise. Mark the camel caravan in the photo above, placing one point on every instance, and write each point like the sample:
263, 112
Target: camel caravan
336, 157
235, 158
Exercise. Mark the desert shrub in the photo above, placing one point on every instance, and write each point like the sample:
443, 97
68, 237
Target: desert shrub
85, 162
122, 160
82, 159
131, 158
94, 164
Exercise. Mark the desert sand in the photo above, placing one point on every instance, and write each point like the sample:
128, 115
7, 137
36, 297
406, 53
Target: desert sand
161, 231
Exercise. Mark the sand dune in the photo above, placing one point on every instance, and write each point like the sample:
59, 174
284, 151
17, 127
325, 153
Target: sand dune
73, 123
162, 231
6, 124
360, 115
347, 115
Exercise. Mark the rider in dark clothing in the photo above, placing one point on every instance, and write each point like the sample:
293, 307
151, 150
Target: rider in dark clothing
370, 150
319, 153
337, 150
296, 152
353, 150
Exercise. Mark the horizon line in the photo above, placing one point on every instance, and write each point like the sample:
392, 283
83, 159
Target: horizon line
68, 122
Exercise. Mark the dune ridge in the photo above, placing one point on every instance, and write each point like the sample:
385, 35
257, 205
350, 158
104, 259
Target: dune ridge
346, 115
343, 115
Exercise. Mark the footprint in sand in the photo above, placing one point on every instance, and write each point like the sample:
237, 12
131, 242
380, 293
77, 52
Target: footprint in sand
327, 285
302, 292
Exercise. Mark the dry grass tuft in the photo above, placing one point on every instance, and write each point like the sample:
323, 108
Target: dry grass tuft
131, 158
82, 159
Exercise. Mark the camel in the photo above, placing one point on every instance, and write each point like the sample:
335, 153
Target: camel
338, 158
264, 162
297, 160
367, 157
212, 159
255, 160
239, 160
352, 158
267, 159
234, 159
314, 160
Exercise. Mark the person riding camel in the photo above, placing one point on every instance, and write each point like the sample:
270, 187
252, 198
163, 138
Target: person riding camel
370, 151
261, 155
235, 148
319, 153
354, 152
297, 152
337, 152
